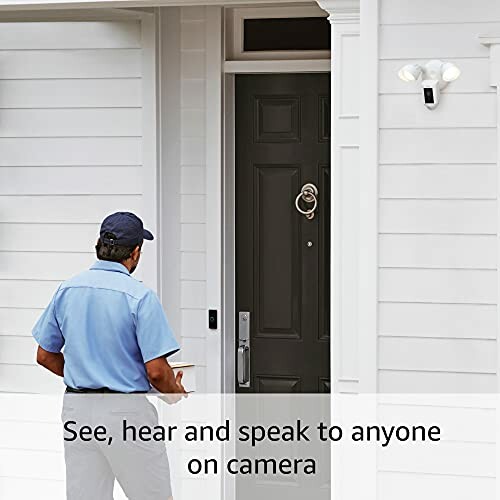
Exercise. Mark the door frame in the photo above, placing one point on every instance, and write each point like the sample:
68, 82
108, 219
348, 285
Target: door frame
228, 204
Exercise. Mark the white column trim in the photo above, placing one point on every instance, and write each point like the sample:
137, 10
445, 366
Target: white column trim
341, 11
493, 42
347, 22
150, 211
369, 197
344, 15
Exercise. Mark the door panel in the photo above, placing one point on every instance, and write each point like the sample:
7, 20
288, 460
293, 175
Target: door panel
282, 257
275, 252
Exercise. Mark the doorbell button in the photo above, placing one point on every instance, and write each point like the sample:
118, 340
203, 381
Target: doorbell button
212, 319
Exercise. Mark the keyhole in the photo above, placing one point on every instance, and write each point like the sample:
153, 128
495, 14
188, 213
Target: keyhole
309, 243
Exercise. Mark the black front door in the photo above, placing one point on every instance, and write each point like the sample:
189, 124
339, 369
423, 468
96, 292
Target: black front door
283, 256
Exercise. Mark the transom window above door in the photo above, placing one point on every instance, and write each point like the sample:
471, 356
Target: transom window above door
277, 33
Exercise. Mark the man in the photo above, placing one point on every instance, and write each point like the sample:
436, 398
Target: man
116, 340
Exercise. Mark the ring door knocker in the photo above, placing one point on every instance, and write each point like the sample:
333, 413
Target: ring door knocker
308, 194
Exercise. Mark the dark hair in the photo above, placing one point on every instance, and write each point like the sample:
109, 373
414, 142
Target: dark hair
113, 253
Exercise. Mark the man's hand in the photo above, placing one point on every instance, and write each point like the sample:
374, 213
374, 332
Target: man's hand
176, 397
162, 378
52, 361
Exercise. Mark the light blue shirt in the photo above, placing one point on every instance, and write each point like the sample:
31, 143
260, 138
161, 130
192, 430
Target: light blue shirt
109, 325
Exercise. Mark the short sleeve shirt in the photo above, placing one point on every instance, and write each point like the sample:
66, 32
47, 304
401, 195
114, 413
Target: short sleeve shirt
109, 325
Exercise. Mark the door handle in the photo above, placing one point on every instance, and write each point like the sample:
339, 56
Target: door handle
243, 352
243, 366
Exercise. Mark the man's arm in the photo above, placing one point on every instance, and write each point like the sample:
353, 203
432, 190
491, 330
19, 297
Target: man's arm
162, 378
52, 361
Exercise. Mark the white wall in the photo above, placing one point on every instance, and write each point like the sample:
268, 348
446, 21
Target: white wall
437, 203
71, 142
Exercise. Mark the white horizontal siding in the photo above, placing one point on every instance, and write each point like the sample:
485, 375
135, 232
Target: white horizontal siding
446, 11
18, 321
418, 486
468, 459
438, 203
31, 294
10, 487
17, 350
446, 145
438, 181
438, 320
83, 93
71, 141
70, 35
32, 464
457, 423
434, 40
21, 408
56, 265
70, 180
29, 379
38, 436
83, 122
406, 381
66, 209
437, 315
52, 151
441, 355
438, 251
438, 216
454, 110
49, 64
462, 286
46, 237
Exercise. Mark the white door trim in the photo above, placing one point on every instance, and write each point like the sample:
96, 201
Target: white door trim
280, 66
213, 148
229, 237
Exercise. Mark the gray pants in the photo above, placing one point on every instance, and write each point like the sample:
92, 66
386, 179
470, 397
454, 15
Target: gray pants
141, 468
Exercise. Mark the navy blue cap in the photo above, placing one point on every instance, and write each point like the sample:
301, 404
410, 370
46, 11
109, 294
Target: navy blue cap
127, 230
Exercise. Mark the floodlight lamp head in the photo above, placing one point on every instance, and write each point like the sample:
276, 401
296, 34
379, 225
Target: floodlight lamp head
410, 72
450, 72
